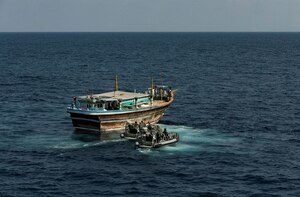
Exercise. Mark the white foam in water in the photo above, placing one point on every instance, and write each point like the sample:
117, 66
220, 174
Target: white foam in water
194, 140
191, 140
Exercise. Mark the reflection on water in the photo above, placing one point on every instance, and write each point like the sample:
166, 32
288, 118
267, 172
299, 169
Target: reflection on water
84, 136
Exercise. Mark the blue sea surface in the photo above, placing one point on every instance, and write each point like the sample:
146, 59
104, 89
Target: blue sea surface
237, 111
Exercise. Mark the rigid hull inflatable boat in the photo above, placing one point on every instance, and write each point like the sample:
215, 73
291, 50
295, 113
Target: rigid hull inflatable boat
149, 136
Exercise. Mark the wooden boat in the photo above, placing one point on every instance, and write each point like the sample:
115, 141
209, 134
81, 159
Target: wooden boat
113, 110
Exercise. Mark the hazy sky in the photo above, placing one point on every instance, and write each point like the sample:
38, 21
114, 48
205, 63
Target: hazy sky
149, 15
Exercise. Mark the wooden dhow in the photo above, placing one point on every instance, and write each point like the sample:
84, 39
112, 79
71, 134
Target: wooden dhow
113, 110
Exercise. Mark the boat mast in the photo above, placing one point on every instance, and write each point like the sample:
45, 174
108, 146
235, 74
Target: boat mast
116, 88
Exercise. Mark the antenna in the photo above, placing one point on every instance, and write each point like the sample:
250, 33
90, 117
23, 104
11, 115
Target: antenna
152, 92
161, 77
152, 84
89, 83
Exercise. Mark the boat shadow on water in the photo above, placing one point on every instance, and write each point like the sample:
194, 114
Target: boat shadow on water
84, 136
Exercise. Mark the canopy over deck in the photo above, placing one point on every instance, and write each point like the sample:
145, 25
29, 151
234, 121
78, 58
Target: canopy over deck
120, 95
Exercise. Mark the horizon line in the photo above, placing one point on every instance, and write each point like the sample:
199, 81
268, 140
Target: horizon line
149, 31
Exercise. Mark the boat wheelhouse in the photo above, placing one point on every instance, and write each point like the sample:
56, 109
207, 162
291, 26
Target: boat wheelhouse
113, 110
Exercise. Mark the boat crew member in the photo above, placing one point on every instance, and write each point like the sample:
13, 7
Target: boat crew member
74, 102
142, 124
149, 126
157, 137
169, 95
166, 133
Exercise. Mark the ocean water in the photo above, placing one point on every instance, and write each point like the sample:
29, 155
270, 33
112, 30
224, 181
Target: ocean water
237, 112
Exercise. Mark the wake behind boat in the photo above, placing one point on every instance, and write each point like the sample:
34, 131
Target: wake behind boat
113, 110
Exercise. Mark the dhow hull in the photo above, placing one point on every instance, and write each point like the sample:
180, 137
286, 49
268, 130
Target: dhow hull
115, 121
